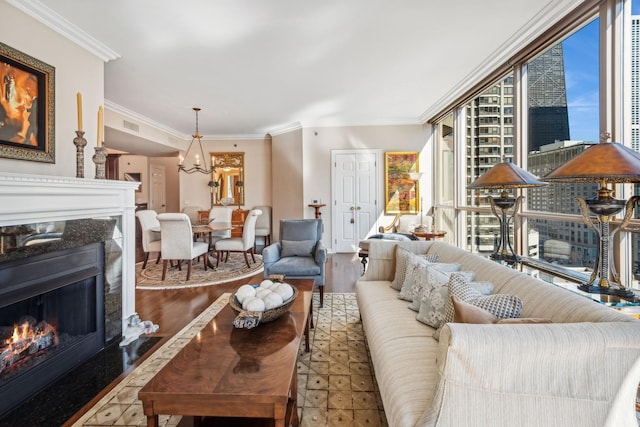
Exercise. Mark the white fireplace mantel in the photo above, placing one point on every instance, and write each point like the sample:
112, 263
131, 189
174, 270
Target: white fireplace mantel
27, 199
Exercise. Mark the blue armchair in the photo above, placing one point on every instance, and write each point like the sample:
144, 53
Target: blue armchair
300, 253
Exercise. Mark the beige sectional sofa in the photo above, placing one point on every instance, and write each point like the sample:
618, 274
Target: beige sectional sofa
581, 370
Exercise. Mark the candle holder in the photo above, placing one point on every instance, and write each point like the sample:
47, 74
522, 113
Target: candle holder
80, 143
100, 158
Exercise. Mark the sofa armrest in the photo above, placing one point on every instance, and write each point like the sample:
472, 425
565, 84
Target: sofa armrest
567, 374
271, 254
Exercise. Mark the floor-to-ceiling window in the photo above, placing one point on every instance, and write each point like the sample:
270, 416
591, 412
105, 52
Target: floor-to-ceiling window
551, 102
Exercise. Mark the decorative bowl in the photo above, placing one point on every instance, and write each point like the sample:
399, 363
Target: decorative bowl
267, 315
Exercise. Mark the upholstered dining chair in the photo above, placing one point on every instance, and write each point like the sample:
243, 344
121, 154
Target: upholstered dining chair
219, 214
242, 244
192, 213
263, 225
177, 242
150, 239
300, 253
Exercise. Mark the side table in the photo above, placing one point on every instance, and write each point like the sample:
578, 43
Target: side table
430, 235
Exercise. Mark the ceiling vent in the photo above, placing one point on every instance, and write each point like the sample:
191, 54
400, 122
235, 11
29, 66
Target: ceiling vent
131, 126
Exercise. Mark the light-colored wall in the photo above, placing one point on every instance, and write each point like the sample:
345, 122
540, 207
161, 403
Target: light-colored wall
76, 70
136, 164
288, 179
194, 190
302, 165
172, 181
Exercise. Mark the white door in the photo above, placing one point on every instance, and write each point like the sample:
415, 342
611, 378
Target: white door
157, 195
354, 207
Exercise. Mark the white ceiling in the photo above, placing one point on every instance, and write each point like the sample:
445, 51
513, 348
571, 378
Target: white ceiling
257, 66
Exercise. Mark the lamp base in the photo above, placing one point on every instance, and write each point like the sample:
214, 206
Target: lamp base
508, 258
623, 293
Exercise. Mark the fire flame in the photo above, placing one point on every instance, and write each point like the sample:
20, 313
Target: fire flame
26, 340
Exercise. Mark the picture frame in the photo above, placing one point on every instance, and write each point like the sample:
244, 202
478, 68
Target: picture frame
134, 177
27, 107
400, 195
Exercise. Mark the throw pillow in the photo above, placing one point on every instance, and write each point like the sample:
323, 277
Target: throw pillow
433, 302
500, 305
402, 256
464, 312
435, 277
418, 276
297, 248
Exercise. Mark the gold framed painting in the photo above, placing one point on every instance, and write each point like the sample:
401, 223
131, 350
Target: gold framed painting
27, 107
401, 194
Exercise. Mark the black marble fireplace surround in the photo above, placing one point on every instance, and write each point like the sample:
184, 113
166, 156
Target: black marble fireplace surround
62, 282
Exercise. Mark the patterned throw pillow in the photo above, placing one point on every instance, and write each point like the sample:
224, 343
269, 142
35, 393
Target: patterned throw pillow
435, 277
421, 274
500, 305
432, 302
402, 256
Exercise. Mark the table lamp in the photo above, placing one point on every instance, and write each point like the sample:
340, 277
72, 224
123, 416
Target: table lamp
503, 176
415, 177
603, 163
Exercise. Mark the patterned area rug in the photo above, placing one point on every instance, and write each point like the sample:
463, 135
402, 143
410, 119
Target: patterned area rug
234, 269
336, 386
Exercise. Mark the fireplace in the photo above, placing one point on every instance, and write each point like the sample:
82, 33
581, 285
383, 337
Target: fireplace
60, 294
67, 260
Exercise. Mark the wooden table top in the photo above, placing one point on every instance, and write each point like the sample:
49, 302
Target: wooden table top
224, 371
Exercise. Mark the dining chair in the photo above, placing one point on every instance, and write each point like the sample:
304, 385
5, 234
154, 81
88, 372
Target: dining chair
242, 244
177, 242
151, 241
192, 213
263, 225
220, 214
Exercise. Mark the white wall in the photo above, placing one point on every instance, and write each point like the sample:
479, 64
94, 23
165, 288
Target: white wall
136, 164
76, 70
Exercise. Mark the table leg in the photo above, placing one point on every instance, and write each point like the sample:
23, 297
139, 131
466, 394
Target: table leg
152, 421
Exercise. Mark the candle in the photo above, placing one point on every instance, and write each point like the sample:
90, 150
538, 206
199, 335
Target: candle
197, 160
100, 125
79, 102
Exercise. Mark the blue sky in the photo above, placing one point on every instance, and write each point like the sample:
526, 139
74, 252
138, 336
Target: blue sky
581, 58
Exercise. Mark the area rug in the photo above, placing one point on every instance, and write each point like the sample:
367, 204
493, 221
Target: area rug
336, 385
234, 269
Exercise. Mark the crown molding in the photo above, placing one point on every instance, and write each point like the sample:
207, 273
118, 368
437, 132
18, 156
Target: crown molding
289, 127
536, 26
137, 118
40, 12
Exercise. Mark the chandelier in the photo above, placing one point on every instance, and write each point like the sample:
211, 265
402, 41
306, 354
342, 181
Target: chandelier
196, 165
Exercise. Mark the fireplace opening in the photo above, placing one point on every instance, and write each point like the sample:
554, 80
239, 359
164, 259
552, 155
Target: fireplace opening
51, 318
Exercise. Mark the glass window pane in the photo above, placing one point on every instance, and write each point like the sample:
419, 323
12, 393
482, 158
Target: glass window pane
445, 162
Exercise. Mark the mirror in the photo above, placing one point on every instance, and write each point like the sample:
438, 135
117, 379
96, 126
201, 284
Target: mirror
227, 181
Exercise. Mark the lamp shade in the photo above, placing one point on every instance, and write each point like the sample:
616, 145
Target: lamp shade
415, 176
605, 161
506, 175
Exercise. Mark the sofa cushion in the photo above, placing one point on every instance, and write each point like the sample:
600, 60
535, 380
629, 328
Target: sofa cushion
297, 248
433, 302
421, 273
402, 256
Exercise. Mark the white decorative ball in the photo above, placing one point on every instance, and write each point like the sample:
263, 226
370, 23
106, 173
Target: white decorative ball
255, 304
245, 291
262, 292
266, 283
272, 300
284, 290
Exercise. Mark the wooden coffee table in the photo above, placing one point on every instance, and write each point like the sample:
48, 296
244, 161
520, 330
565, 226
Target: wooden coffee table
229, 372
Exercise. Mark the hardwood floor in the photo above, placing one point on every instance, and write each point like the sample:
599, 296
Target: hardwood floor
173, 309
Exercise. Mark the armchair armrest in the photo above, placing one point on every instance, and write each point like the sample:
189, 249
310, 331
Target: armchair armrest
271, 254
543, 374
320, 254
